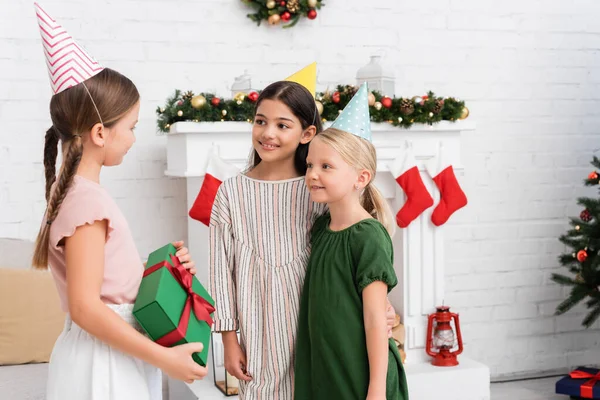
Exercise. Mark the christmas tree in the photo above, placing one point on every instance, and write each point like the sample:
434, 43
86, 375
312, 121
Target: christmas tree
583, 259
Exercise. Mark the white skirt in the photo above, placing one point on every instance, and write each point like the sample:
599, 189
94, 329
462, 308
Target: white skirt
84, 368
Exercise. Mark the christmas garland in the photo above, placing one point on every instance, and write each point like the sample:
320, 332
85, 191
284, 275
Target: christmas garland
286, 11
402, 112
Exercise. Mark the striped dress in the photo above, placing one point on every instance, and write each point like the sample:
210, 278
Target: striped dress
259, 250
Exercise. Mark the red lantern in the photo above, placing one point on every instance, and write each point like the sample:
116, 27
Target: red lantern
441, 339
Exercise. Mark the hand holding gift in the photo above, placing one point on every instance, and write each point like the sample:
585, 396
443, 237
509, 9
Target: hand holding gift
172, 306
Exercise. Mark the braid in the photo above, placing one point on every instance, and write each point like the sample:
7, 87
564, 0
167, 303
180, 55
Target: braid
50, 153
68, 170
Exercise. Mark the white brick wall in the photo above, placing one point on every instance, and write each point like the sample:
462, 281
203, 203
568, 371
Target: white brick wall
517, 63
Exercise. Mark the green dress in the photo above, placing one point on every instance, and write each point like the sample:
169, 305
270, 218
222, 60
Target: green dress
331, 349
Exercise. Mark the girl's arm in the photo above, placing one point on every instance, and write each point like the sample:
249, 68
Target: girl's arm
374, 310
84, 253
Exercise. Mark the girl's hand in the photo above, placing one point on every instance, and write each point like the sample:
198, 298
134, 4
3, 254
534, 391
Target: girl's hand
390, 314
375, 396
183, 254
235, 360
178, 363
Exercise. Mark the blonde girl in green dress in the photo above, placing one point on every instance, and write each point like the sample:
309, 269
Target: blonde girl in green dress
342, 349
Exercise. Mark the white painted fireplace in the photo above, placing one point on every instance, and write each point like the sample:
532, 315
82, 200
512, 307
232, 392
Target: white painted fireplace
419, 248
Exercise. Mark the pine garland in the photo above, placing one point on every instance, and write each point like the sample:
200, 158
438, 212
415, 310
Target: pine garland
428, 109
583, 260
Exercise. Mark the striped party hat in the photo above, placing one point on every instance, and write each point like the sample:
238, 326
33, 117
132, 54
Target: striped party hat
68, 63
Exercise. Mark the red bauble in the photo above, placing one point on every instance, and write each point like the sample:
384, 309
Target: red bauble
386, 102
285, 16
585, 216
425, 97
582, 255
593, 175
215, 101
312, 13
282, 3
253, 96
335, 97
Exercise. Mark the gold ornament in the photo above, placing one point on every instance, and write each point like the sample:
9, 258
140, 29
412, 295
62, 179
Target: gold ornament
292, 6
239, 103
577, 227
319, 107
464, 113
270, 4
323, 120
167, 126
339, 111
224, 112
274, 19
198, 101
371, 99
195, 120
180, 113
240, 96
399, 119
377, 105
312, 3
430, 114
162, 110
249, 120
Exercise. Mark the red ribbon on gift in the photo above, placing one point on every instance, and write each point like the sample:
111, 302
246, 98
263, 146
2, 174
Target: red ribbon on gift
588, 387
202, 308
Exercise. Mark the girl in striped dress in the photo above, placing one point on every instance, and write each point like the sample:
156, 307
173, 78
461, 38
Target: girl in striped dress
259, 245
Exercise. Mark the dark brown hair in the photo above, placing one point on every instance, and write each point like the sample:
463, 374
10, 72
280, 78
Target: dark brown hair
73, 114
302, 104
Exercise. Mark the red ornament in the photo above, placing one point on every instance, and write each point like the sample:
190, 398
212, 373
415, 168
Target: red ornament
386, 102
215, 101
582, 255
593, 175
335, 97
180, 103
425, 97
312, 13
282, 3
285, 16
585, 215
441, 339
253, 96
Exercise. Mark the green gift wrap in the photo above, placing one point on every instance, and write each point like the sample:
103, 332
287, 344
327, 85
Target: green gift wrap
172, 306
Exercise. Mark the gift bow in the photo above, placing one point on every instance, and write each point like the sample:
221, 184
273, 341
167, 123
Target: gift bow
201, 307
587, 388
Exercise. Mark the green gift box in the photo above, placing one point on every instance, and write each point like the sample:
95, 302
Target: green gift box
172, 306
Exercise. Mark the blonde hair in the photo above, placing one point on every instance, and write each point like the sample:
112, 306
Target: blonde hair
361, 154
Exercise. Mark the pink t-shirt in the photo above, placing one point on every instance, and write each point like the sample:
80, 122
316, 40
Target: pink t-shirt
87, 202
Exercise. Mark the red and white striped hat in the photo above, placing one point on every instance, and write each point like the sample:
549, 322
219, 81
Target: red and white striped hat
68, 63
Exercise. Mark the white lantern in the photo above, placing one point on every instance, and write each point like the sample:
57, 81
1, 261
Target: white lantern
242, 84
377, 77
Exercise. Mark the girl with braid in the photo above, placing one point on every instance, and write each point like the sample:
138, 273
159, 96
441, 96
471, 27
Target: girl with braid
86, 242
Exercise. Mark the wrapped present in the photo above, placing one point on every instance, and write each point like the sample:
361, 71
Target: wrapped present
172, 306
581, 383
